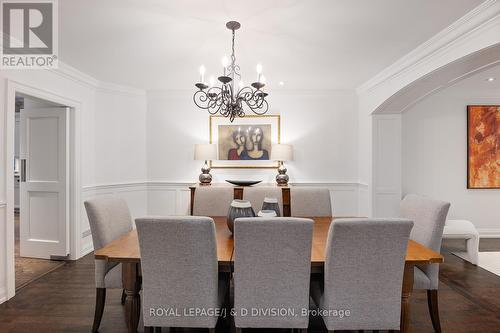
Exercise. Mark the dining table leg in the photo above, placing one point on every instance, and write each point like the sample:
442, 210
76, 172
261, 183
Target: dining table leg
132, 287
405, 297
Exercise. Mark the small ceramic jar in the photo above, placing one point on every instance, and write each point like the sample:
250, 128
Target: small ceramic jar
239, 208
271, 204
266, 213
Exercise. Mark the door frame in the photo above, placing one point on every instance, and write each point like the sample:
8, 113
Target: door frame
13, 88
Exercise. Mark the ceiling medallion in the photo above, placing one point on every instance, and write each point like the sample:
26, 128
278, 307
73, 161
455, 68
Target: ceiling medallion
228, 99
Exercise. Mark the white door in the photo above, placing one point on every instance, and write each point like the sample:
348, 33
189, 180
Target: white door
44, 229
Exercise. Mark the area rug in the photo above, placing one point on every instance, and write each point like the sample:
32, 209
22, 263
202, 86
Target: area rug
489, 261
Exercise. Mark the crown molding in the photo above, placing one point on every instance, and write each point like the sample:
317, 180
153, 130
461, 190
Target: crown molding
453, 34
68, 72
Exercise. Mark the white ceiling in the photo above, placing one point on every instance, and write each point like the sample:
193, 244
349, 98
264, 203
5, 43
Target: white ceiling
314, 44
479, 82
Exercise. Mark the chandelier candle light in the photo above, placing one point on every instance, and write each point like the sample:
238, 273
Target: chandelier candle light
227, 99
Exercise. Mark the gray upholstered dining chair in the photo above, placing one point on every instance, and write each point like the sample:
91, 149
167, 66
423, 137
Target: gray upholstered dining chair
364, 265
212, 200
256, 196
272, 266
430, 217
310, 201
179, 271
109, 219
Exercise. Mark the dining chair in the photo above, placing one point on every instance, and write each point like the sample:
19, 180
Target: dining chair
109, 219
212, 200
362, 283
179, 272
272, 266
256, 196
429, 216
310, 201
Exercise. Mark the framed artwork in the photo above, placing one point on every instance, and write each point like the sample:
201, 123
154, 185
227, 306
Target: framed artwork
483, 146
246, 142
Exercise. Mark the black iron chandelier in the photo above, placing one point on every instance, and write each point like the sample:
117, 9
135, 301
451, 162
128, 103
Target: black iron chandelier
228, 100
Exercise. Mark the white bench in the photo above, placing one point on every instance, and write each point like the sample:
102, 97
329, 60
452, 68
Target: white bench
463, 229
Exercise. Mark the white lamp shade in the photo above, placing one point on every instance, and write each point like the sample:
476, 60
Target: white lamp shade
205, 152
281, 152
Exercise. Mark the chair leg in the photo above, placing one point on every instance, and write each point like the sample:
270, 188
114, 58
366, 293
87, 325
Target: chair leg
432, 302
148, 329
100, 300
303, 330
157, 330
238, 329
211, 330
124, 296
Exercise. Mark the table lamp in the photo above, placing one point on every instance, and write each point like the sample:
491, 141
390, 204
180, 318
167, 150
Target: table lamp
280, 153
205, 152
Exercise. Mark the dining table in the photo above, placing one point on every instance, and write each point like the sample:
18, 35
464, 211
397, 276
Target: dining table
125, 250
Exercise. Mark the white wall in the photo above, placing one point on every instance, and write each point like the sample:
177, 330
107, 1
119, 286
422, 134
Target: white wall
321, 125
112, 147
435, 153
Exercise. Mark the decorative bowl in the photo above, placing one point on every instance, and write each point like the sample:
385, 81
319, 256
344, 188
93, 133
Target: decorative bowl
243, 182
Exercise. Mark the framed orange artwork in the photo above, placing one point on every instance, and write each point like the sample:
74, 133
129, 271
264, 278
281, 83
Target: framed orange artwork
483, 146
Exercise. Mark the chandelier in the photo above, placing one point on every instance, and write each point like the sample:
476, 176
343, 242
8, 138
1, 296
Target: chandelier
227, 99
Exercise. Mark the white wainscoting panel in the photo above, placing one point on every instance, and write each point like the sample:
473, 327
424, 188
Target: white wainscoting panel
167, 198
387, 184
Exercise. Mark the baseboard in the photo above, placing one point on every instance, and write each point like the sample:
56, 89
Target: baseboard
3, 295
86, 249
489, 232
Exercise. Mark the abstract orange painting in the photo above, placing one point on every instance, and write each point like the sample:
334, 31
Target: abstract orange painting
483, 137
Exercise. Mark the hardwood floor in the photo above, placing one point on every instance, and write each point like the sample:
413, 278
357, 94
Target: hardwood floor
63, 301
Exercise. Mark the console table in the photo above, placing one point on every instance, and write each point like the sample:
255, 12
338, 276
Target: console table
238, 194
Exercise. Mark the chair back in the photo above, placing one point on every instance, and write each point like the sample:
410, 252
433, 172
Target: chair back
109, 219
364, 268
429, 216
179, 270
212, 200
310, 202
272, 266
256, 196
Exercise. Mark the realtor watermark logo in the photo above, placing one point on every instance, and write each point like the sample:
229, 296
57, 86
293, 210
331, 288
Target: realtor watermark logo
29, 30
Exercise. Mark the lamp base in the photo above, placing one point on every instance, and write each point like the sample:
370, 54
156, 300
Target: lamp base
282, 178
205, 176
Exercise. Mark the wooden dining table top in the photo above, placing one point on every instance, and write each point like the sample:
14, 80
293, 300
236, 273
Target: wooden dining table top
126, 248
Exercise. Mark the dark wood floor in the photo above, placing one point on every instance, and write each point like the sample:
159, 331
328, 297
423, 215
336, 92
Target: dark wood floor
63, 301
